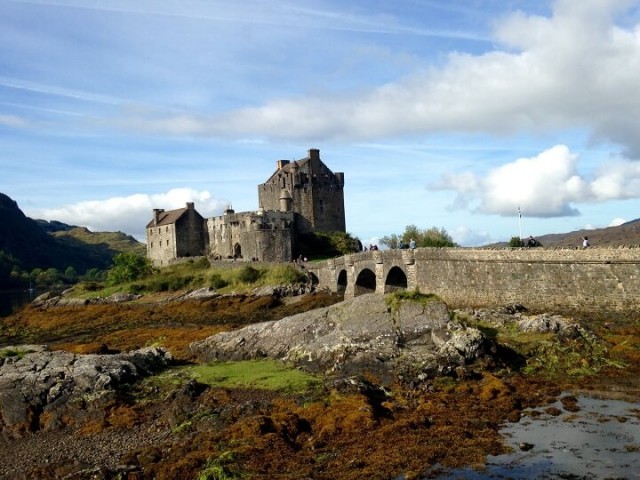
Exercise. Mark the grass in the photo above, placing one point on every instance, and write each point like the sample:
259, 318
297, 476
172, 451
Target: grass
240, 278
254, 374
260, 374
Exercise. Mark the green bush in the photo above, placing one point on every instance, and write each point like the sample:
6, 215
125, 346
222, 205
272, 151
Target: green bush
128, 267
216, 281
284, 275
516, 242
249, 274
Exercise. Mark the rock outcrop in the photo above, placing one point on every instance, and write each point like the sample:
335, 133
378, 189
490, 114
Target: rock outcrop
40, 389
360, 334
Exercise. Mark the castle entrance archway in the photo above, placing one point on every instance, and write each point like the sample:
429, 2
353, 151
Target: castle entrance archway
237, 251
396, 280
365, 283
342, 281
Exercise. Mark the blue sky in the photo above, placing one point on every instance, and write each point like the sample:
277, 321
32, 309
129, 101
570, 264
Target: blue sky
440, 113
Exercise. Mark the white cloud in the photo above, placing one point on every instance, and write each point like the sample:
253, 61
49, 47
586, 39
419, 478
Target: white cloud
467, 237
547, 185
616, 222
619, 180
129, 214
542, 186
573, 69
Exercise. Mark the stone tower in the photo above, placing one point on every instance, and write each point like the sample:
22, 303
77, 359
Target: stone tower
310, 189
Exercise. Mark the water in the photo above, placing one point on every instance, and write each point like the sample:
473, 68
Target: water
13, 300
601, 441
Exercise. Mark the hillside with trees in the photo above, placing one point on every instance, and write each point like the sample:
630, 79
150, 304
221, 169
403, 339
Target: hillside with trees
29, 254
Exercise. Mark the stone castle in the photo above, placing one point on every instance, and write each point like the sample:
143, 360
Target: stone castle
301, 196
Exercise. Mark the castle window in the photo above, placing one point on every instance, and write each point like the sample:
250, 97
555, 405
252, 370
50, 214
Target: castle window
159, 230
166, 229
321, 205
167, 243
151, 244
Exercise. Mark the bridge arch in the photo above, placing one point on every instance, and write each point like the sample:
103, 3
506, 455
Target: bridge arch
314, 279
396, 280
365, 282
342, 281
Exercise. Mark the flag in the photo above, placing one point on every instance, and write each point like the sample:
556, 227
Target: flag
519, 213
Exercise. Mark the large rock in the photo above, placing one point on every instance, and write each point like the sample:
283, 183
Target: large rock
359, 334
38, 387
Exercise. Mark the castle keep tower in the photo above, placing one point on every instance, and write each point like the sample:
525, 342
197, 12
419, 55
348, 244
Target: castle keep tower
308, 188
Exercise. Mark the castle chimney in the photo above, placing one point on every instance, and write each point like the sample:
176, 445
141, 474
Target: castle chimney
281, 163
156, 215
314, 154
190, 205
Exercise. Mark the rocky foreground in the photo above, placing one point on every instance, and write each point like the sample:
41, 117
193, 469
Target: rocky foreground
408, 385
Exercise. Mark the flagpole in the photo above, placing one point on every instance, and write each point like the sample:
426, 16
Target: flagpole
520, 222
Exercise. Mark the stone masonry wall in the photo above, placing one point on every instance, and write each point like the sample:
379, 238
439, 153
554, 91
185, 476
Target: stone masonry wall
587, 280
577, 279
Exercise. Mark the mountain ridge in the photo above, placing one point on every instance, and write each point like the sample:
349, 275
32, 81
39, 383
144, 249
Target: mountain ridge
27, 244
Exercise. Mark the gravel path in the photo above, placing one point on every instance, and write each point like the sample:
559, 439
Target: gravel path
104, 450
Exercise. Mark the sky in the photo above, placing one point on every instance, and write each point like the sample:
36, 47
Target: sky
454, 115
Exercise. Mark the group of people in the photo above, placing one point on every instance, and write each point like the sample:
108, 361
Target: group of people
532, 242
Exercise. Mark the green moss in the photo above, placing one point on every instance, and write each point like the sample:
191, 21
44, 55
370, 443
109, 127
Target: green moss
261, 374
394, 300
14, 352
216, 469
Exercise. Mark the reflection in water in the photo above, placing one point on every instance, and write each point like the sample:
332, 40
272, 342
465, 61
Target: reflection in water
602, 440
13, 300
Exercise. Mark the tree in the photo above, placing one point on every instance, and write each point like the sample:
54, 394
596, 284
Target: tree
70, 274
391, 241
516, 242
432, 237
128, 267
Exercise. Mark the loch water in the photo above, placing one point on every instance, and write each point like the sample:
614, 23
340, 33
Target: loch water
13, 300
600, 441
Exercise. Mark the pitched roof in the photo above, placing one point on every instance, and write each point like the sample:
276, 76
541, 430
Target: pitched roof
288, 167
167, 218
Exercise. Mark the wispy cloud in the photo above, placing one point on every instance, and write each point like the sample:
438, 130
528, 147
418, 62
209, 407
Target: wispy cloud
536, 83
284, 14
45, 89
13, 121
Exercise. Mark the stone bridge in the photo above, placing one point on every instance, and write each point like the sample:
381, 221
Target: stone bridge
588, 280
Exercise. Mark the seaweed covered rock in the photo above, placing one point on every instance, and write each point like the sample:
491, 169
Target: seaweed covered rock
354, 336
38, 386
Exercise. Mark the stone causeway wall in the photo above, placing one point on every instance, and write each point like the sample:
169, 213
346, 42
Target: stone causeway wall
588, 280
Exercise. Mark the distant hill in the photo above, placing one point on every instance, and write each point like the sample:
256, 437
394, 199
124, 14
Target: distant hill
625, 234
25, 244
54, 226
108, 243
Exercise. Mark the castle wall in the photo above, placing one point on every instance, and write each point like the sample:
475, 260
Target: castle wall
161, 244
266, 237
585, 280
190, 235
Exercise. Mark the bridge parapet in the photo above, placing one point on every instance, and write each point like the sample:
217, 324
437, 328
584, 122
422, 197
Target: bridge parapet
592, 279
